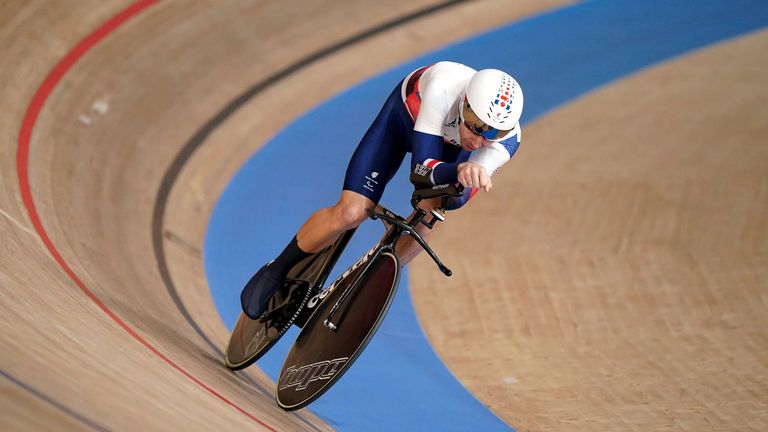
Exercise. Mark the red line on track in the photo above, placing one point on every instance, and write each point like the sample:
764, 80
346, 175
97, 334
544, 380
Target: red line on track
22, 162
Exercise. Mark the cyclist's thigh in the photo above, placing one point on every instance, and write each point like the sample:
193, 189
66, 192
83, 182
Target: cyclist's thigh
381, 151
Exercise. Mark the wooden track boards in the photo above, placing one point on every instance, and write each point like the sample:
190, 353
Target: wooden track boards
624, 284
104, 140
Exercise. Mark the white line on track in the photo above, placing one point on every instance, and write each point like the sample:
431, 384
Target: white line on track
18, 224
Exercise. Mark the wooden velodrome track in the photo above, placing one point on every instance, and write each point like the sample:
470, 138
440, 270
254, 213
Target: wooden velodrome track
634, 277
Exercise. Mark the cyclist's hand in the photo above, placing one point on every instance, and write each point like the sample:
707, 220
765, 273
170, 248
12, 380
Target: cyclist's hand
473, 175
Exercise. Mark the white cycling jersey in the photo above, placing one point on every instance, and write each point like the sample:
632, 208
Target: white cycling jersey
441, 89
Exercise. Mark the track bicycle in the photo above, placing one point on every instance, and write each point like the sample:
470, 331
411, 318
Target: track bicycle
339, 321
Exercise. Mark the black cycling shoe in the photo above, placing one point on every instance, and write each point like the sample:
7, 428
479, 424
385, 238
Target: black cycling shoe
255, 296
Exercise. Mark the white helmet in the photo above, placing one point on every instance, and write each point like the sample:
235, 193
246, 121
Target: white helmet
493, 104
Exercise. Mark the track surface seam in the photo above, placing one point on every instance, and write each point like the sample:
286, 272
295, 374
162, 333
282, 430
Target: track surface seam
19, 224
56, 404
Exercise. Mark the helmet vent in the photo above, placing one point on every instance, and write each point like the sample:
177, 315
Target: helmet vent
501, 106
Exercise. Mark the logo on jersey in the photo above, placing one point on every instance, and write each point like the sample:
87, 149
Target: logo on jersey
421, 170
300, 377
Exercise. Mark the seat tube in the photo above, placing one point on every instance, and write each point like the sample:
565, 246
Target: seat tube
328, 322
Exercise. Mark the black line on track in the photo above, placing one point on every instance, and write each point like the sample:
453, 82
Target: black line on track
202, 134
42, 396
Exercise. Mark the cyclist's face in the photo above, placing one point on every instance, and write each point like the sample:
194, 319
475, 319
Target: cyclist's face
470, 141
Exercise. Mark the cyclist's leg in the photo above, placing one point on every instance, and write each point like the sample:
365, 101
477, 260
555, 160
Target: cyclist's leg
373, 164
326, 225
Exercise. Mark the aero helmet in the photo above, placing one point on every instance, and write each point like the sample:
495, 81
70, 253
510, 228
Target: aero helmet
492, 104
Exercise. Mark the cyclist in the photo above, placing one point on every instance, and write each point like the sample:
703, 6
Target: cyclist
459, 125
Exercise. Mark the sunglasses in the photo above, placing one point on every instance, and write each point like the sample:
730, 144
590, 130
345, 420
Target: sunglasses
478, 127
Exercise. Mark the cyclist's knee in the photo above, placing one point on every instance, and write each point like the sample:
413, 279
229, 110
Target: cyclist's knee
351, 211
350, 215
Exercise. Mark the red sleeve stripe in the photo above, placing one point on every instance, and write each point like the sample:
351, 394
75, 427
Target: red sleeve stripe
432, 163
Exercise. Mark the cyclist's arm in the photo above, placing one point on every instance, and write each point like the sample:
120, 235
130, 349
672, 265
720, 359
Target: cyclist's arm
427, 145
426, 150
491, 158
497, 154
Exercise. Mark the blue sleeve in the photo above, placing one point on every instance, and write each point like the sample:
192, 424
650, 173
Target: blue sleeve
426, 146
511, 144
447, 172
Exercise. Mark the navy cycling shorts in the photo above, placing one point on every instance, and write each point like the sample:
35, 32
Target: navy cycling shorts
383, 148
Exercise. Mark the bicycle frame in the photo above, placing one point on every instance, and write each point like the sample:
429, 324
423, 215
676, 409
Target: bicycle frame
352, 308
398, 227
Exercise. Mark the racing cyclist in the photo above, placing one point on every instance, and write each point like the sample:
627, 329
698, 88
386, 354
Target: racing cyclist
460, 125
